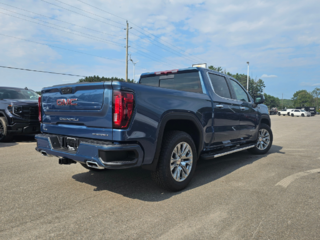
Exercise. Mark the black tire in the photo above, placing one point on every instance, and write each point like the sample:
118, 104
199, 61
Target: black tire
292, 115
256, 150
288, 114
163, 175
92, 169
4, 135
302, 115
279, 114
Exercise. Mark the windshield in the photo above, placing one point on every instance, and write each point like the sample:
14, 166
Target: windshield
11, 93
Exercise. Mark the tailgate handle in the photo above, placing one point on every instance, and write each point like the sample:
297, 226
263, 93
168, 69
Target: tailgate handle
66, 90
219, 106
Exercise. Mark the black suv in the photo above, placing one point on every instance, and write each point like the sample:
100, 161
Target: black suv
18, 112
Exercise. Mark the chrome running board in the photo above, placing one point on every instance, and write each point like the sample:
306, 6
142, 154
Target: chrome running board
208, 156
233, 151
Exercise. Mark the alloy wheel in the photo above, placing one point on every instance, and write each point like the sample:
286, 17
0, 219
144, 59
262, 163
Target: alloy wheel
264, 139
181, 161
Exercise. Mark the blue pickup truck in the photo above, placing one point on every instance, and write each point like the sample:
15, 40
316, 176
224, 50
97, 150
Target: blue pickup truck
165, 123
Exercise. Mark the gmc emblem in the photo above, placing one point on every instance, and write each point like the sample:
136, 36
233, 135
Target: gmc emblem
66, 102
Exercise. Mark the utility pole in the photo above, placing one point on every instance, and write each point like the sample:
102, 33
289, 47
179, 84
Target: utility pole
248, 78
134, 64
127, 48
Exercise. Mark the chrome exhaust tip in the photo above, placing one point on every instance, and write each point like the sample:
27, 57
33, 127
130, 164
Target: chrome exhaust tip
92, 164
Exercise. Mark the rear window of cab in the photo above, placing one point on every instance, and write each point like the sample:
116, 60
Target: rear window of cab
182, 81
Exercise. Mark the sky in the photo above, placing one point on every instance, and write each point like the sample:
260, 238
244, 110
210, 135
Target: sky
280, 39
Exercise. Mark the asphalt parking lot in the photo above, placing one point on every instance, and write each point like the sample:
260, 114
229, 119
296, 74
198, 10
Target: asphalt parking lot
240, 196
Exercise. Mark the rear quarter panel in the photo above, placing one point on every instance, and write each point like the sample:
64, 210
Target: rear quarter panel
151, 105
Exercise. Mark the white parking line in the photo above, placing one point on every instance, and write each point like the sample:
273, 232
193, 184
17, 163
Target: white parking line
286, 181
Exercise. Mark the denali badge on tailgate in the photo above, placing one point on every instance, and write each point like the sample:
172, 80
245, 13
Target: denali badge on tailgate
66, 102
69, 119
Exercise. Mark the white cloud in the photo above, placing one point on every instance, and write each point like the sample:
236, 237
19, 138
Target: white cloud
270, 35
268, 76
310, 84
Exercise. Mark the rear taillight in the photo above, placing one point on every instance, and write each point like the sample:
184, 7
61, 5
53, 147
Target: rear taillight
123, 103
39, 109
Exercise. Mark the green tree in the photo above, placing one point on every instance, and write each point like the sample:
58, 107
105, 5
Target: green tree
287, 103
316, 93
271, 101
256, 87
302, 98
217, 69
102, 79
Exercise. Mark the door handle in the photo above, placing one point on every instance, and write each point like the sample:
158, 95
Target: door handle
242, 108
219, 106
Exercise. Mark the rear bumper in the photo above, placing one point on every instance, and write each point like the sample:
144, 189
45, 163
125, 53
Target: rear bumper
105, 154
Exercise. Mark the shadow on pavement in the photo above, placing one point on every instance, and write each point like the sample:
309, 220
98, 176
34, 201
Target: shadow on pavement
18, 139
137, 183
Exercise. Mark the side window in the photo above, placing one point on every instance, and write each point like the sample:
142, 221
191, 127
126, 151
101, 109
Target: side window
241, 95
220, 85
297, 111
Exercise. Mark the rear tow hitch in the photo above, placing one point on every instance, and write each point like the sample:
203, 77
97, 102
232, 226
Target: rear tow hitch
66, 161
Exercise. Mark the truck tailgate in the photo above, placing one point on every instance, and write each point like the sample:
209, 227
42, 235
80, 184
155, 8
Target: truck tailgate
78, 110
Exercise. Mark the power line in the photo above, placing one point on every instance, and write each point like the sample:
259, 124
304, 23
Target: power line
146, 56
101, 9
134, 29
166, 48
141, 32
98, 39
56, 19
190, 57
81, 14
32, 70
140, 47
174, 52
139, 53
88, 12
142, 53
23, 39
84, 15
148, 41
64, 29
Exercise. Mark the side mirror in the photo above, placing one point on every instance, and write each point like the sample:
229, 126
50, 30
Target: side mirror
259, 99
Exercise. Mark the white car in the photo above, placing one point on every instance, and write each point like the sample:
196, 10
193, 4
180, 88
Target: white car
300, 113
285, 112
